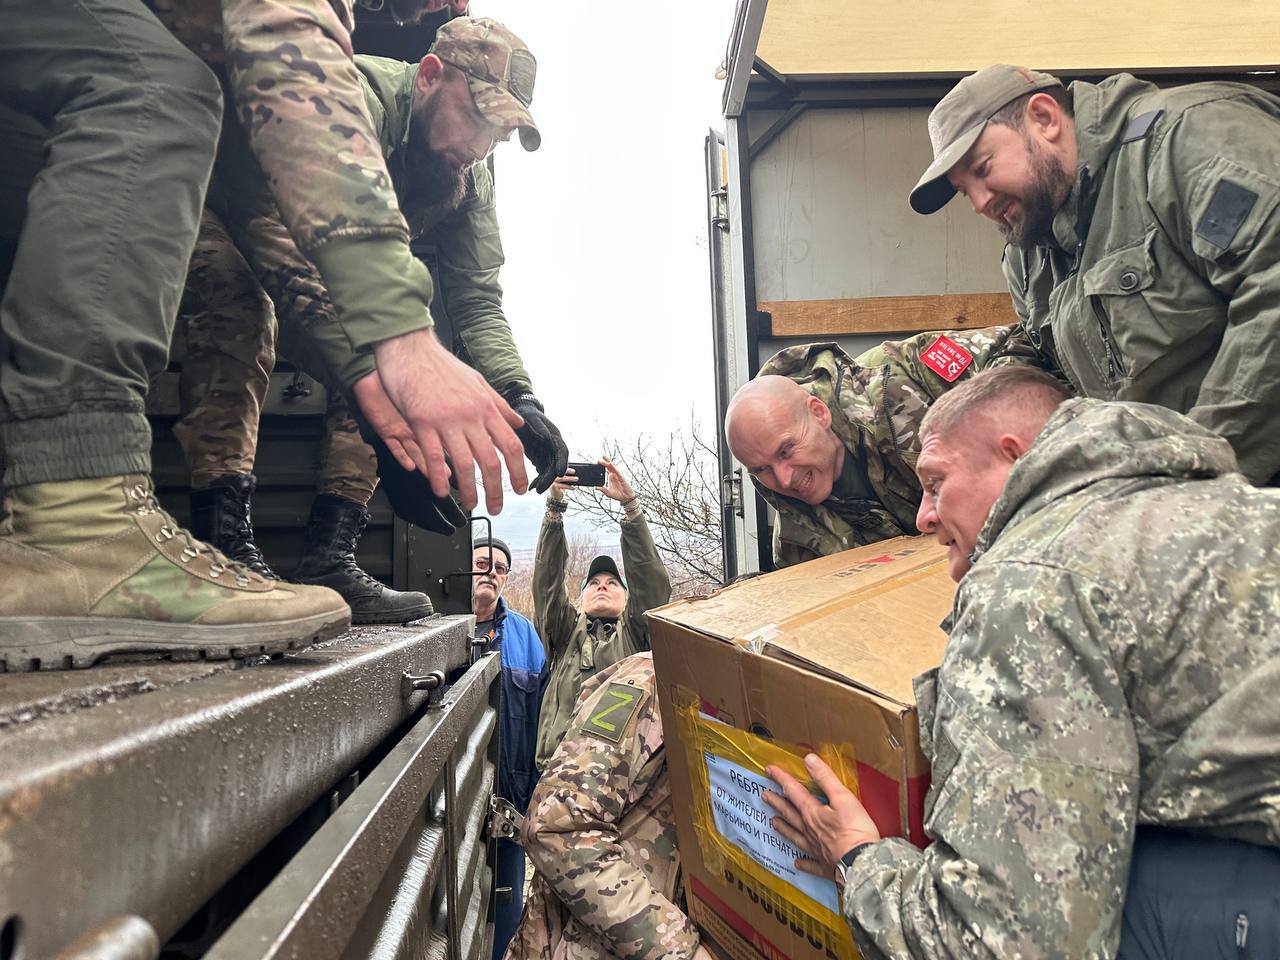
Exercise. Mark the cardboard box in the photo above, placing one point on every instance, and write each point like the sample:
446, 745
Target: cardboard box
819, 657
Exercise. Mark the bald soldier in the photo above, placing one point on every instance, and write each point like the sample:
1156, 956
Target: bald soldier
830, 441
1103, 727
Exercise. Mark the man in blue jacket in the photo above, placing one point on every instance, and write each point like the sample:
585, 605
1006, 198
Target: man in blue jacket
524, 675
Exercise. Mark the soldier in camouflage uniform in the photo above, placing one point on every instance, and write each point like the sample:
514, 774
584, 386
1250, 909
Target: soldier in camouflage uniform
1112, 668
863, 431
601, 834
411, 104
1144, 238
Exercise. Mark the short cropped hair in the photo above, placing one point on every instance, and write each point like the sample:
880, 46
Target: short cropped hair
1013, 114
1017, 388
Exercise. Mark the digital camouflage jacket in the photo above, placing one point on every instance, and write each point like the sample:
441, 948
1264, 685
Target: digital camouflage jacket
1114, 661
1163, 283
601, 833
877, 402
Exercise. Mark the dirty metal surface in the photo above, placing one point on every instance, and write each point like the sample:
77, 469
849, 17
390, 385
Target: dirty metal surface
140, 788
369, 882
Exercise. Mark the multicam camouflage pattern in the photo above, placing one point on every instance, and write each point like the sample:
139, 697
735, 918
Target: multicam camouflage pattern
1114, 661
877, 402
228, 326
297, 94
1161, 285
577, 645
348, 467
500, 71
601, 834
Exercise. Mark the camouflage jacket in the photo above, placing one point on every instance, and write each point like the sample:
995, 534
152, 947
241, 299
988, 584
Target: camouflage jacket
468, 248
298, 97
1163, 285
601, 833
1114, 660
577, 645
877, 402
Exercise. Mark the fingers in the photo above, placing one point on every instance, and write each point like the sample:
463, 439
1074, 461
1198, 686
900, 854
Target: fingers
805, 865
503, 436
398, 451
796, 837
825, 778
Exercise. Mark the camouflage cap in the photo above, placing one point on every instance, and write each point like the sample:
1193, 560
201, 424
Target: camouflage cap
959, 119
499, 68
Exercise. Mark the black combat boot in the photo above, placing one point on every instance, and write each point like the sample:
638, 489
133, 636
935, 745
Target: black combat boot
329, 560
220, 517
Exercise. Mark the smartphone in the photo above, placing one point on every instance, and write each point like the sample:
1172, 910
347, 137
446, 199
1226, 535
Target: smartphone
588, 474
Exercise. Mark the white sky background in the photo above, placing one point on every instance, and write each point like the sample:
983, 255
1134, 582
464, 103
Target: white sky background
606, 282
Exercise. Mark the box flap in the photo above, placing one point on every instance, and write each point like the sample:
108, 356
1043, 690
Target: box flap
868, 615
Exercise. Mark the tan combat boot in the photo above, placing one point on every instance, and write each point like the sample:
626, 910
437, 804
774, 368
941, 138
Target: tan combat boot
94, 567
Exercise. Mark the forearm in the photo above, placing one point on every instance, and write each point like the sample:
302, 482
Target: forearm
552, 610
647, 579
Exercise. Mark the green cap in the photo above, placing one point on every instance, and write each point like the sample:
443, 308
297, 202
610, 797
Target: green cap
959, 119
499, 68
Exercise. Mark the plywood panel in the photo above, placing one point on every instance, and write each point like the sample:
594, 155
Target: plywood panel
830, 218
816, 319
947, 37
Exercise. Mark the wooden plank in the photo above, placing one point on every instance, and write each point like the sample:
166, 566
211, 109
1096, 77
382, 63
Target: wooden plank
832, 318
942, 37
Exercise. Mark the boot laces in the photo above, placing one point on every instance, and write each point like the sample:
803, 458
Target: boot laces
219, 563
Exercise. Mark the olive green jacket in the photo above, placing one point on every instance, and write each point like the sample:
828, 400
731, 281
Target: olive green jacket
579, 646
877, 402
1163, 284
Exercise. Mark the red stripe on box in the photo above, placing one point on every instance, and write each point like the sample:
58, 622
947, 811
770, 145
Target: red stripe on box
879, 794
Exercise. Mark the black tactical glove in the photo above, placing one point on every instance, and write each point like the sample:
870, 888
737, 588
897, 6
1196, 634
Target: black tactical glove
408, 491
543, 444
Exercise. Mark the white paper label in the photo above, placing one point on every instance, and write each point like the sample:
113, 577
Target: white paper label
744, 819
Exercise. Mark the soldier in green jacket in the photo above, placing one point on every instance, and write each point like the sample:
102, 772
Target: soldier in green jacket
1144, 236
230, 350
608, 622
1102, 729
830, 441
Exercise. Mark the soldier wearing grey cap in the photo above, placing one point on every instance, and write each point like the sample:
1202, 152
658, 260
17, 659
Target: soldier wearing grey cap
1144, 237
608, 622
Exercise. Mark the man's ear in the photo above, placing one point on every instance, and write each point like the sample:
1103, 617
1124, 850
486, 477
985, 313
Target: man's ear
430, 71
1011, 447
1045, 116
818, 410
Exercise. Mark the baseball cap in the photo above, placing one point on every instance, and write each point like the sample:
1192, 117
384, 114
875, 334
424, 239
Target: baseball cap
499, 69
495, 543
603, 564
959, 119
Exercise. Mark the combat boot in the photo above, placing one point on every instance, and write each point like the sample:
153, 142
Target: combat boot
329, 560
220, 517
96, 567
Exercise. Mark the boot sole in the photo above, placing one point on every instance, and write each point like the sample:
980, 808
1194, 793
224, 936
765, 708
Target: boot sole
64, 643
392, 618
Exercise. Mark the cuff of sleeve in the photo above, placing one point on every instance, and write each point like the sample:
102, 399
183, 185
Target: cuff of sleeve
381, 291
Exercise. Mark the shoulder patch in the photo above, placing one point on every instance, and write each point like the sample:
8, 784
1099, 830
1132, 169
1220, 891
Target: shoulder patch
613, 711
1140, 126
1227, 210
947, 358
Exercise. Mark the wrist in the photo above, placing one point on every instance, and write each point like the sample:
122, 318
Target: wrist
556, 505
631, 506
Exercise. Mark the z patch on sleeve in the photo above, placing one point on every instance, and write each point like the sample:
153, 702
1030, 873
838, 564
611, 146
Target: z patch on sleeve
613, 712
947, 358
1227, 210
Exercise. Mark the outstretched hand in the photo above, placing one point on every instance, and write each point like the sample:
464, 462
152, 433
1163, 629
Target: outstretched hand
615, 486
824, 831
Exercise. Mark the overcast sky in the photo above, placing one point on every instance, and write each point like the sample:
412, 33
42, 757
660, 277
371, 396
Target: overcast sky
606, 283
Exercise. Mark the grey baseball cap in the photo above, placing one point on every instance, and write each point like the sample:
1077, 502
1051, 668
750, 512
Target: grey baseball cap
959, 119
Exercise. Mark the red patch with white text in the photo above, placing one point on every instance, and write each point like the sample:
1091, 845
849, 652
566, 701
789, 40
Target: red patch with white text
947, 358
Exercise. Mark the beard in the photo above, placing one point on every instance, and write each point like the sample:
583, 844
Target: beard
430, 179
1039, 203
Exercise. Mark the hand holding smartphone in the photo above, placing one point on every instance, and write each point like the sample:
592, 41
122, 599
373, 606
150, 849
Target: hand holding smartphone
587, 474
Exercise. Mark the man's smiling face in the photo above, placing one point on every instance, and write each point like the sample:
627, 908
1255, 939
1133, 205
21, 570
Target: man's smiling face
960, 484
792, 450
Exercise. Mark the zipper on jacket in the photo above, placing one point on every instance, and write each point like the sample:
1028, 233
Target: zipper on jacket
1115, 365
1242, 933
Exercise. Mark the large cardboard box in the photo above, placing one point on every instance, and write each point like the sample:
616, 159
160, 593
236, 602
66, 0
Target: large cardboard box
820, 657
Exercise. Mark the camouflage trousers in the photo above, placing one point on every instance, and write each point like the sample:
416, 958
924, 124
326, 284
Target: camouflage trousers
230, 339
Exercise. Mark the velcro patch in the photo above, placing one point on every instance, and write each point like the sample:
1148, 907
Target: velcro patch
947, 358
613, 711
1227, 210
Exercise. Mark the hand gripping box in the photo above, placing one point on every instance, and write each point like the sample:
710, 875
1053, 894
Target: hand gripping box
819, 658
